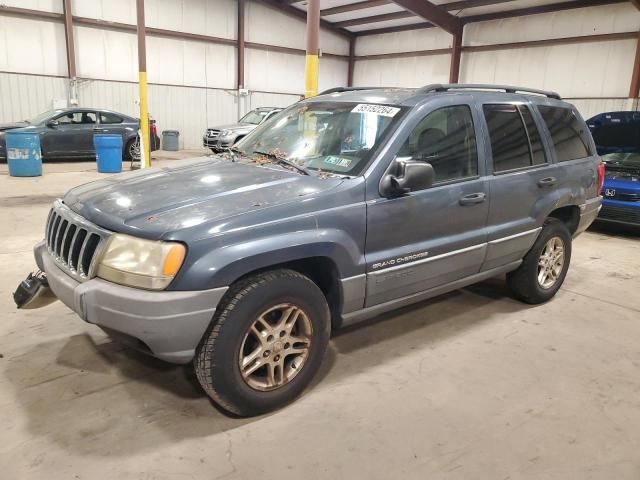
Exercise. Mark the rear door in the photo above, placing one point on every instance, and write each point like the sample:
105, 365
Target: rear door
435, 236
524, 181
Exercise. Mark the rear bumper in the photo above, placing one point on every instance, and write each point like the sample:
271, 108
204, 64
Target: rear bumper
588, 213
165, 324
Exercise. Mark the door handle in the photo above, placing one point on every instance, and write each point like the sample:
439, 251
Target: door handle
473, 198
547, 182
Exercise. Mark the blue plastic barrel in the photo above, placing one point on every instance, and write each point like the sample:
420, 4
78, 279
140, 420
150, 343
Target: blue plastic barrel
108, 152
23, 153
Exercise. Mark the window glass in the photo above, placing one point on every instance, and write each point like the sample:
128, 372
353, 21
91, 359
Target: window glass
568, 133
537, 150
106, 117
509, 141
334, 137
255, 116
77, 118
446, 139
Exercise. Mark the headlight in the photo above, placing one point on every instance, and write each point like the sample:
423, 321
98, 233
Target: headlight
140, 263
226, 133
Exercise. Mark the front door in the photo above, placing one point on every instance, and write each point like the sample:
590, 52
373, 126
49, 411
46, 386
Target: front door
435, 236
73, 135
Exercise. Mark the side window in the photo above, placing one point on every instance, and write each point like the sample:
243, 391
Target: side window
569, 134
537, 149
77, 118
509, 137
446, 139
109, 118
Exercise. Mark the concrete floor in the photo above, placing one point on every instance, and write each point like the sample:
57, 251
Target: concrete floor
471, 385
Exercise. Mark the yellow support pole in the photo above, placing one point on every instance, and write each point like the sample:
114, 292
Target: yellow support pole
311, 76
311, 64
145, 150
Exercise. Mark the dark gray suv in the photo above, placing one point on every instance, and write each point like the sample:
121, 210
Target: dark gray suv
337, 209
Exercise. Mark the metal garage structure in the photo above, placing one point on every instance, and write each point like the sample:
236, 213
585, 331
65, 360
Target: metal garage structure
86, 52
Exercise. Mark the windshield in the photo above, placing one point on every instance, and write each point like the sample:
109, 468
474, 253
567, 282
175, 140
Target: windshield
255, 116
622, 166
43, 116
333, 137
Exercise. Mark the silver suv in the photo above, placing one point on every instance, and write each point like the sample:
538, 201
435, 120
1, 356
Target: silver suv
219, 139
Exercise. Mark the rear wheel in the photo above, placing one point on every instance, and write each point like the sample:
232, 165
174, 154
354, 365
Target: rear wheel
132, 150
265, 343
545, 266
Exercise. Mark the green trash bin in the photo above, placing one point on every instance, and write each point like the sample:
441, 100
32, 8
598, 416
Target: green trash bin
171, 140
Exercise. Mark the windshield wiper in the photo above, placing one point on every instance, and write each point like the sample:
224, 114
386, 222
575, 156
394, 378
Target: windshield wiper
283, 161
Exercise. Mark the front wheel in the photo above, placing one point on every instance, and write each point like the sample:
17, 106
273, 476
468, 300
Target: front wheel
545, 266
265, 344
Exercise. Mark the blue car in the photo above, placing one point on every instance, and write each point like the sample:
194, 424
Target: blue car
617, 138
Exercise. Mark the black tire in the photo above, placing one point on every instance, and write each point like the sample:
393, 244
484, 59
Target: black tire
129, 151
217, 357
523, 281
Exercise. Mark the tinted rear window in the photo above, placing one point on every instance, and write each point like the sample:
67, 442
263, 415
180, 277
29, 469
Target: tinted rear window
510, 138
537, 150
106, 117
568, 133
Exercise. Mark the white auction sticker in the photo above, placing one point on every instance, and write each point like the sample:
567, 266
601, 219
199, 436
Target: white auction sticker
383, 110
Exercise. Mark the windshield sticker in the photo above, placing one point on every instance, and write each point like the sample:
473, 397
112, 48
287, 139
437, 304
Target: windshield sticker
338, 161
382, 110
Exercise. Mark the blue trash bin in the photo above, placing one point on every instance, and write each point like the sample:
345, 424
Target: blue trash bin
108, 152
23, 153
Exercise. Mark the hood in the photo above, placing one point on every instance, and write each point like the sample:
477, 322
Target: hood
154, 202
622, 165
9, 126
236, 127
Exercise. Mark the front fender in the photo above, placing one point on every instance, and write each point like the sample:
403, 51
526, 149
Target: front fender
223, 266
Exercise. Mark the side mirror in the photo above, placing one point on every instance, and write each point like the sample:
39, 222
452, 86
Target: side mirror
410, 175
52, 123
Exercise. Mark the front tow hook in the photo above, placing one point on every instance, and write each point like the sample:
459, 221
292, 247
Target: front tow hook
34, 292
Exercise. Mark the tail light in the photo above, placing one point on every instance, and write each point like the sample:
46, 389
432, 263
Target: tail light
153, 131
600, 177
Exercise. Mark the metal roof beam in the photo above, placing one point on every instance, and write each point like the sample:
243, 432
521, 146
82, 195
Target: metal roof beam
554, 7
285, 7
433, 14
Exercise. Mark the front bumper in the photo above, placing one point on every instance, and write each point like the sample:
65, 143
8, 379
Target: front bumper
218, 143
621, 212
165, 324
588, 213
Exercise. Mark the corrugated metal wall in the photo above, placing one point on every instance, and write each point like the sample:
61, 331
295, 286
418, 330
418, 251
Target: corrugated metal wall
191, 82
595, 76
25, 96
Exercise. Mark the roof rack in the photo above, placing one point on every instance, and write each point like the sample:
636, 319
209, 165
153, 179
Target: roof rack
480, 86
348, 89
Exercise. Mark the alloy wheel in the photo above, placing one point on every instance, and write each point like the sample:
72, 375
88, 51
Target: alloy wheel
551, 262
276, 347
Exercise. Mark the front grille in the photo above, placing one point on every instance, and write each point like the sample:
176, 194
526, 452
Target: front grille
625, 197
73, 242
213, 133
620, 214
